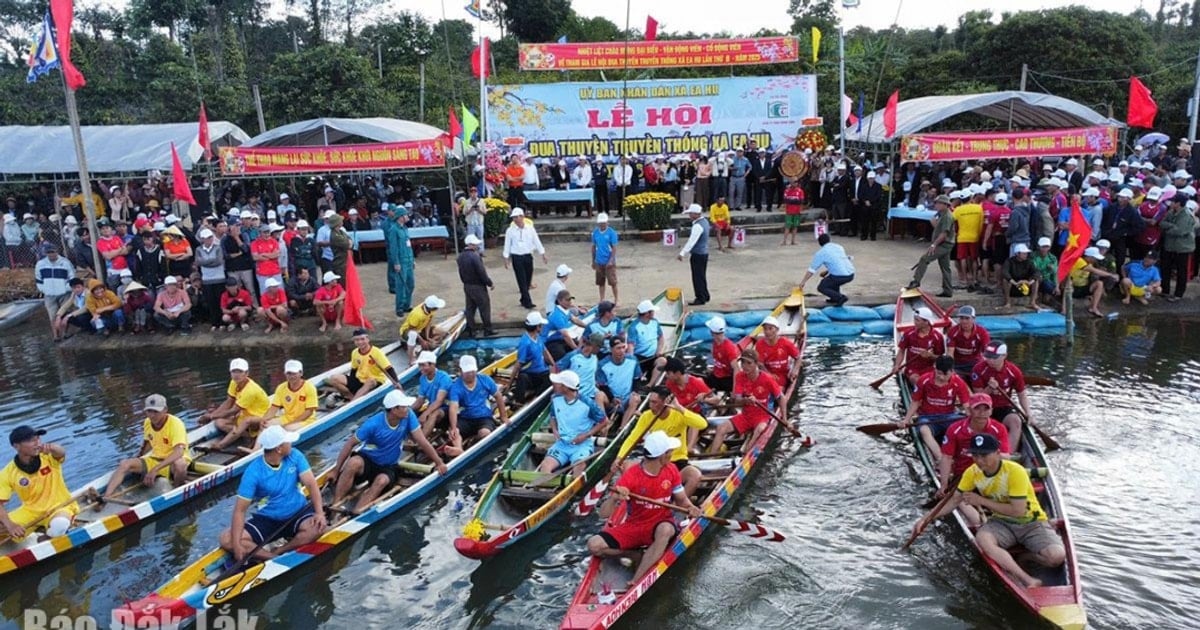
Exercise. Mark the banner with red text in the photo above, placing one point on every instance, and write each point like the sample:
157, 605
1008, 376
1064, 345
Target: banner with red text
659, 54
937, 147
414, 154
650, 117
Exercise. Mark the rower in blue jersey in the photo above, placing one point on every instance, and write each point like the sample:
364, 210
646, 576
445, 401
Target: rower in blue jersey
557, 331
584, 363
531, 372
608, 324
645, 333
471, 417
616, 377
575, 421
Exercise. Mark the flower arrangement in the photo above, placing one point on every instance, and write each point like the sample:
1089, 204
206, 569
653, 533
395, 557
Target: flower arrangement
650, 210
811, 138
474, 530
496, 220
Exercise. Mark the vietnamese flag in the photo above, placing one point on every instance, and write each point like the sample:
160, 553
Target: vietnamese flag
889, 114
179, 180
63, 13
356, 302
651, 28
479, 56
1080, 235
1142, 108
202, 137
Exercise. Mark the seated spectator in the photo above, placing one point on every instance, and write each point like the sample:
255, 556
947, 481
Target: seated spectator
237, 307
1021, 277
195, 293
301, 289
1090, 279
73, 311
1142, 279
139, 304
1046, 265
105, 308
173, 308
272, 305
330, 301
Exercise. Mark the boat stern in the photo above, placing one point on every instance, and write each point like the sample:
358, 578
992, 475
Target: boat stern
153, 611
1065, 616
474, 549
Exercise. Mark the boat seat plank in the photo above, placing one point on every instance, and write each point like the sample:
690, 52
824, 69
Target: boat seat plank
538, 494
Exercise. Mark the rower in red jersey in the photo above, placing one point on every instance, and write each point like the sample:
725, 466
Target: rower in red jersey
919, 346
936, 400
689, 390
966, 341
725, 354
999, 377
956, 456
777, 354
750, 386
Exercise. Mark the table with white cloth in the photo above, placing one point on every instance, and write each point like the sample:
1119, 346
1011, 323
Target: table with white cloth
554, 196
902, 217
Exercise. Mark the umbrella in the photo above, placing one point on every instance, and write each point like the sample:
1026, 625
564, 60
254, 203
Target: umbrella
1153, 138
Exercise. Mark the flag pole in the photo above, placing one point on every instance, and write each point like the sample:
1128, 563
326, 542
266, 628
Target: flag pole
85, 186
483, 69
842, 82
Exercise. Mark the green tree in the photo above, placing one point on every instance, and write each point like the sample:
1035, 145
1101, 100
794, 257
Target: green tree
535, 20
327, 80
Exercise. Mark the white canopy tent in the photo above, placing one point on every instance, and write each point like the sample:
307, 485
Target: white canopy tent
38, 150
330, 131
1026, 110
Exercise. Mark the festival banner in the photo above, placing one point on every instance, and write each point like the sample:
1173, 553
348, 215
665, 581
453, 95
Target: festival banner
341, 157
651, 117
937, 147
658, 54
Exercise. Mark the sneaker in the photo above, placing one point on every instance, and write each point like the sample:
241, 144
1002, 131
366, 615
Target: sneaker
229, 328
945, 294
245, 326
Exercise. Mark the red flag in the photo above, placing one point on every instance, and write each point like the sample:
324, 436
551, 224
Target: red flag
848, 117
356, 302
1080, 235
179, 178
889, 115
455, 126
1142, 108
651, 29
63, 13
202, 137
479, 58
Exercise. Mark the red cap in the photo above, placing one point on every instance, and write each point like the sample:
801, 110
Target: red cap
979, 398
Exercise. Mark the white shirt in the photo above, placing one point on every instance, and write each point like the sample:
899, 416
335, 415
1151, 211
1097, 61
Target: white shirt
693, 238
622, 174
582, 175
521, 241
474, 211
552, 294
531, 176
284, 208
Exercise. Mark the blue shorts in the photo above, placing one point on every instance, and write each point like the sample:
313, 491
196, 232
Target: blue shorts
565, 453
259, 526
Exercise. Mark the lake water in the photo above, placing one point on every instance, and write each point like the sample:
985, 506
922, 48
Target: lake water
1124, 409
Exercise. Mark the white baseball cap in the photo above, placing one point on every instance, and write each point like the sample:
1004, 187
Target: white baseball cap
602, 217
1091, 192
1001, 197
427, 356
1126, 193
155, 402
1072, 162
275, 436
659, 442
516, 212
239, 365
329, 214
716, 324
563, 271
472, 240
170, 280
302, 225
1092, 252
172, 219
160, 226
925, 313
271, 214
330, 277
205, 233
1154, 193
293, 367
283, 196
396, 398
272, 282
467, 363
1103, 243
646, 306
1019, 248
694, 209
566, 378
1180, 174
534, 318
770, 320
433, 302
353, 211
1044, 242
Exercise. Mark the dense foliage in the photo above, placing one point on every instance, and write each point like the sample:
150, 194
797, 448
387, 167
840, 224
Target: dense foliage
154, 60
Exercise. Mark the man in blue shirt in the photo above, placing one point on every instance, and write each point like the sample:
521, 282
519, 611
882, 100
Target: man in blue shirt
575, 420
286, 512
1142, 279
532, 369
604, 255
645, 334
470, 414
433, 387
615, 377
738, 169
838, 267
382, 437
557, 331
584, 363
607, 324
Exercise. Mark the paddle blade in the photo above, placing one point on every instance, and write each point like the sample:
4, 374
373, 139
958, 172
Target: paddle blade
1051, 443
1041, 381
880, 429
877, 383
588, 504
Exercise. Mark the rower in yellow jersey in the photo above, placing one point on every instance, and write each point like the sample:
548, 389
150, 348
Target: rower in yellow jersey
244, 405
677, 422
369, 368
295, 397
164, 451
35, 476
418, 331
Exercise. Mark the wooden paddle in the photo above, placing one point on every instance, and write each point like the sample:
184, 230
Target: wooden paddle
1041, 381
592, 498
752, 530
888, 427
876, 383
787, 425
951, 489
1051, 443
45, 514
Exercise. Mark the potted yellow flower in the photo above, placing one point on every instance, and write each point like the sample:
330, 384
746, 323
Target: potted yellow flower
650, 213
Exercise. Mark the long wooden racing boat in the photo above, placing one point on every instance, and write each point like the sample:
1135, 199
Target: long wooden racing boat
513, 507
197, 587
721, 478
1060, 600
134, 503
